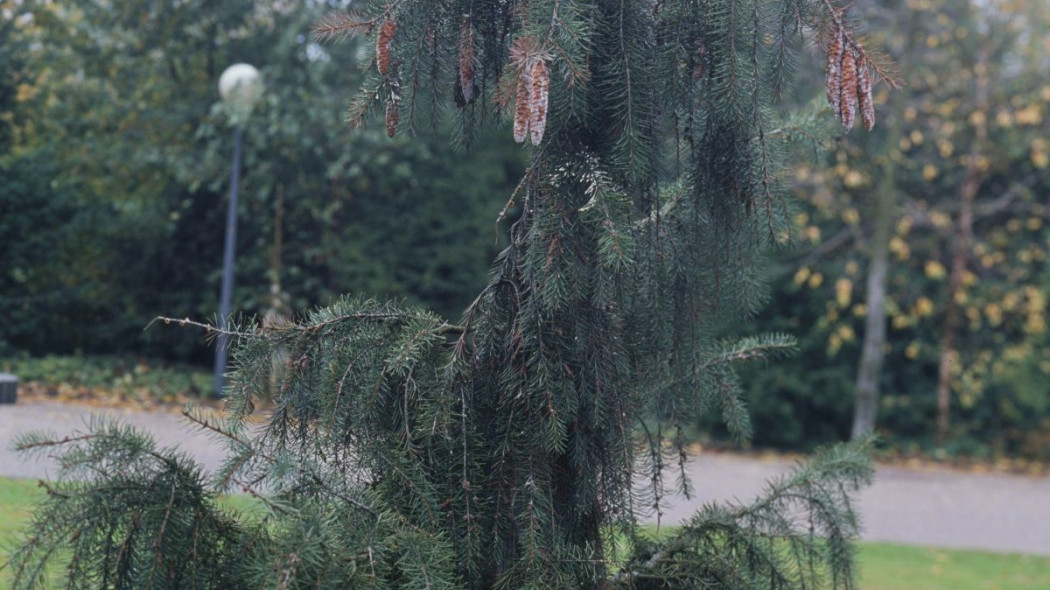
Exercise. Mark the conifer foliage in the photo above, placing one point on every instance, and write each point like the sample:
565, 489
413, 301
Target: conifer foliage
521, 446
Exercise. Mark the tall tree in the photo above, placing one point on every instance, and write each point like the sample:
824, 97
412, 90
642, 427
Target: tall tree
873, 352
503, 450
965, 248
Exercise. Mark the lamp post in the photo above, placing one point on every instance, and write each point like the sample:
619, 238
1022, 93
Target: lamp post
240, 88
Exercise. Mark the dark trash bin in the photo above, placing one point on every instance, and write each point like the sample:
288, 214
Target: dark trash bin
8, 388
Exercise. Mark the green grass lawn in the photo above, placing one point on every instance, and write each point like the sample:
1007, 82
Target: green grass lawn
883, 566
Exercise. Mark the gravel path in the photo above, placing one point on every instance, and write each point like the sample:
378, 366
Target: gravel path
923, 507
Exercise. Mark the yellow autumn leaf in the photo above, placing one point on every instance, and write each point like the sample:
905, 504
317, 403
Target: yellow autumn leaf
25, 92
994, 313
929, 172
945, 148
834, 344
1040, 159
1035, 299
843, 292
940, 220
912, 351
935, 270
816, 280
847, 333
802, 275
1030, 115
1035, 324
923, 306
853, 179
899, 248
812, 233
1011, 301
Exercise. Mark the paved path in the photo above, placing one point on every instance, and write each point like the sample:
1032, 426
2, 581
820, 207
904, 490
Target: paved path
923, 507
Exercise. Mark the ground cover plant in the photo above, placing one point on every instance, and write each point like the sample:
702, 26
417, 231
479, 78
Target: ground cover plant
108, 379
518, 446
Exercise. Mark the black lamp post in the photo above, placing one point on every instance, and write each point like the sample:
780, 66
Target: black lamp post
240, 88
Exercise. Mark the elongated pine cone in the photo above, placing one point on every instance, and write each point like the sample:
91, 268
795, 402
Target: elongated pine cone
383, 42
538, 98
833, 69
701, 62
522, 111
466, 59
393, 116
848, 102
867, 104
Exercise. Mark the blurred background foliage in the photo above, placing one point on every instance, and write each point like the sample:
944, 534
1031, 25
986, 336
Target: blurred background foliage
114, 156
116, 162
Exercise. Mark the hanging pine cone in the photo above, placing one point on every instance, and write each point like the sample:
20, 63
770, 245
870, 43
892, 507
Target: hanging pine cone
848, 102
701, 62
383, 42
867, 104
393, 116
538, 98
522, 111
833, 69
431, 39
466, 59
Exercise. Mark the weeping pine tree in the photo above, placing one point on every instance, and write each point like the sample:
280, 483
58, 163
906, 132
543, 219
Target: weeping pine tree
523, 445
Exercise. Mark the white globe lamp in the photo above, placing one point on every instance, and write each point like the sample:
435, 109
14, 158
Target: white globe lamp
240, 87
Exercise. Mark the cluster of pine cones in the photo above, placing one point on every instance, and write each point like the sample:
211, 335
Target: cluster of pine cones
533, 92
848, 80
533, 80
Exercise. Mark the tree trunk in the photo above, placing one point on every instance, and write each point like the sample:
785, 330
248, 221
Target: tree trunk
961, 240
872, 355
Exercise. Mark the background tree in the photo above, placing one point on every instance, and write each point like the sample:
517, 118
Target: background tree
502, 451
924, 156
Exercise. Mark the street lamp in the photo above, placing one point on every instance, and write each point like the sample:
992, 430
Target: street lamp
240, 87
